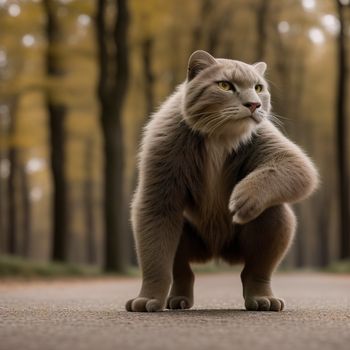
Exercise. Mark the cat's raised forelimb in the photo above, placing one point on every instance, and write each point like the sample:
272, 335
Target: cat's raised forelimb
247, 201
285, 175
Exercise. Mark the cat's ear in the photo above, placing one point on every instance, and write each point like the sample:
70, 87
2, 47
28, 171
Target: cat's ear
198, 61
260, 67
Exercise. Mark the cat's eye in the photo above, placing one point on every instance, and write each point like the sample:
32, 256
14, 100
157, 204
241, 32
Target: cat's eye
259, 88
224, 85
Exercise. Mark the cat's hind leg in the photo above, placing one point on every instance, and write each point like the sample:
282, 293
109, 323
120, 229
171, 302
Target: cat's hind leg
157, 236
191, 248
262, 243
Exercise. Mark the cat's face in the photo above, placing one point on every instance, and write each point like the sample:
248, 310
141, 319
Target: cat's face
225, 97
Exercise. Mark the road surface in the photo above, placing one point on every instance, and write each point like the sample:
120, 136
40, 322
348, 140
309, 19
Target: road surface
89, 314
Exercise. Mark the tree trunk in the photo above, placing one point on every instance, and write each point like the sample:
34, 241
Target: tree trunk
341, 128
57, 114
88, 202
114, 74
147, 50
198, 30
12, 207
12, 210
261, 27
26, 222
3, 201
60, 217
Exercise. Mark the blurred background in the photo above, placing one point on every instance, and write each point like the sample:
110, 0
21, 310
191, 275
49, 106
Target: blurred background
78, 79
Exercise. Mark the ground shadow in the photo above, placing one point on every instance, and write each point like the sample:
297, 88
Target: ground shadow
198, 313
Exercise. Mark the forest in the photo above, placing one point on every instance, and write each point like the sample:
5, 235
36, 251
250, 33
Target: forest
79, 78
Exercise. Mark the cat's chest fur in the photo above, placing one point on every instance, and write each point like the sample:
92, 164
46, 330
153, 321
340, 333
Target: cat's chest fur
213, 175
210, 213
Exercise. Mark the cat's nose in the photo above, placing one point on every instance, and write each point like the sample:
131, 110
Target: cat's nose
252, 106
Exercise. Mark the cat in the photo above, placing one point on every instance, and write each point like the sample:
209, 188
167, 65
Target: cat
215, 180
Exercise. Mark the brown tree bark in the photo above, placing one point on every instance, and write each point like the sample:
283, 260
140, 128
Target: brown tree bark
206, 34
341, 139
89, 203
26, 220
12, 190
114, 74
198, 31
261, 28
60, 216
3, 203
12, 239
147, 51
57, 114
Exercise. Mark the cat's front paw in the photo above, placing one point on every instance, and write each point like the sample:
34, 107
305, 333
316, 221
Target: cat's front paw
142, 304
245, 205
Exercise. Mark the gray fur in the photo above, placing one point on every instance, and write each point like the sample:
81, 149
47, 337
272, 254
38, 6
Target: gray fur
215, 178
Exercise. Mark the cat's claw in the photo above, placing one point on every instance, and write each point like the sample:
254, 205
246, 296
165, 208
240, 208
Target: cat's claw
260, 303
179, 302
141, 304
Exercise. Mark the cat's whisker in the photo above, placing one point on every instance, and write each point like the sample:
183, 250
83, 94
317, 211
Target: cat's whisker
225, 117
208, 124
275, 119
219, 124
279, 116
202, 121
211, 124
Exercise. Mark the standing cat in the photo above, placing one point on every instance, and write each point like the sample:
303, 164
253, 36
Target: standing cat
215, 179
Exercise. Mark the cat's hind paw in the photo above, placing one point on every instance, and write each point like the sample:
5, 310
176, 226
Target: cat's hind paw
260, 303
141, 304
179, 302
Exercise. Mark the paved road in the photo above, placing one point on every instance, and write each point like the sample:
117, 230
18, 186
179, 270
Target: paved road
90, 315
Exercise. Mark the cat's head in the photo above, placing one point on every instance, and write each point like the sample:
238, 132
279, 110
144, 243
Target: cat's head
225, 97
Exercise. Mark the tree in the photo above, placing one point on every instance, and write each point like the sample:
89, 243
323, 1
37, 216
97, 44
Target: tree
147, 51
26, 205
88, 203
262, 12
12, 239
112, 87
214, 19
341, 140
57, 113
